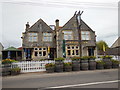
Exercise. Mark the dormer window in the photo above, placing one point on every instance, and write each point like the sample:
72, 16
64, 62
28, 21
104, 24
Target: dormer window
32, 37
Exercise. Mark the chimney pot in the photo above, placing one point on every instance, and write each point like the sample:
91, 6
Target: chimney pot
27, 26
57, 24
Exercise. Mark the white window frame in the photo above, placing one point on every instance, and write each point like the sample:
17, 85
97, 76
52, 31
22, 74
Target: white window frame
72, 50
42, 50
68, 34
47, 37
85, 35
32, 36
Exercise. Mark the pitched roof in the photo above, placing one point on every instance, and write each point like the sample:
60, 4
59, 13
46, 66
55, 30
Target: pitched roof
116, 43
40, 25
72, 24
11, 49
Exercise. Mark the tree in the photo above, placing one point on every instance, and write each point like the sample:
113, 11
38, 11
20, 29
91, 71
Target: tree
102, 45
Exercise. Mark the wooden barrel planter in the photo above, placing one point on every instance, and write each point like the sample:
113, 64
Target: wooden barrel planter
99, 65
108, 62
68, 67
59, 64
115, 63
58, 67
92, 64
75, 65
50, 67
6, 69
84, 64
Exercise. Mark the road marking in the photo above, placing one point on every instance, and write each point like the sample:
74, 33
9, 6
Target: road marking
93, 83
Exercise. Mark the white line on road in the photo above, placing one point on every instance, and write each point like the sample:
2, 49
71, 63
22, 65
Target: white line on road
93, 83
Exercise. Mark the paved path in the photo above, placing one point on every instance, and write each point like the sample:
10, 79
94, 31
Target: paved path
45, 80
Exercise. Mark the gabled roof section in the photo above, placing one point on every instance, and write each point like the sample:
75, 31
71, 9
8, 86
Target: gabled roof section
40, 26
72, 24
116, 43
84, 26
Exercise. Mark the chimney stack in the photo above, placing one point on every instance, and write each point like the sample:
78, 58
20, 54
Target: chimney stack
27, 26
57, 24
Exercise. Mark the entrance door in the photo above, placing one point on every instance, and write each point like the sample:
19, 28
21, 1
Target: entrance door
91, 51
52, 51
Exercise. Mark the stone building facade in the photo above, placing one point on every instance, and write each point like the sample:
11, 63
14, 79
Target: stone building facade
75, 38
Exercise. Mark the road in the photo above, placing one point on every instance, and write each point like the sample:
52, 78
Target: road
81, 79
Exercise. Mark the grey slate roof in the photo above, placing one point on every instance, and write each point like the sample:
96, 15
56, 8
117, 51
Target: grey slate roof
40, 25
116, 43
72, 24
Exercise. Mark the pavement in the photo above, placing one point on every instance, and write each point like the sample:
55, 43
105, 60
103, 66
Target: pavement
106, 78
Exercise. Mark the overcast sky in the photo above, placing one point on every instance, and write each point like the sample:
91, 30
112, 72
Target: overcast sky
100, 15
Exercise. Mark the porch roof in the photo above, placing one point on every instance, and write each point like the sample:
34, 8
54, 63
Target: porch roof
11, 49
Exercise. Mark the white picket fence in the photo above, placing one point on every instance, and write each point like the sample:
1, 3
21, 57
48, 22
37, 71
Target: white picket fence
33, 66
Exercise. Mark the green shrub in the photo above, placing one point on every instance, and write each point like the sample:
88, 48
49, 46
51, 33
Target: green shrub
115, 61
91, 57
84, 57
68, 64
75, 58
106, 57
49, 65
60, 58
8, 61
15, 69
100, 62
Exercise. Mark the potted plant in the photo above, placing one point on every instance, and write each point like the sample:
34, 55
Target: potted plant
106, 57
100, 64
75, 63
15, 71
68, 67
6, 66
84, 63
59, 64
92, 63
115, 63
108, 62
50, 67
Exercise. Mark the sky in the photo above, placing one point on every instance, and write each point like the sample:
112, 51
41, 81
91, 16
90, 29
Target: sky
100, 15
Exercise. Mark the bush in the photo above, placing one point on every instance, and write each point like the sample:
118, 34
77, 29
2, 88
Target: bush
8, 61
92, 57
115, 61
16, 69
84, 57
60, 58
100, 62
106, 57
68, 64
49, 65
75, 58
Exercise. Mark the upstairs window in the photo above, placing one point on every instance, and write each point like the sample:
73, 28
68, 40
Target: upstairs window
32, 37
47, 37
68, 35
85, 35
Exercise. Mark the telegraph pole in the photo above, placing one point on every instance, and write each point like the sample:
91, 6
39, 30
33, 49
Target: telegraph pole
79, 31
